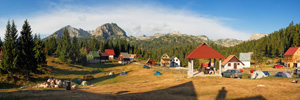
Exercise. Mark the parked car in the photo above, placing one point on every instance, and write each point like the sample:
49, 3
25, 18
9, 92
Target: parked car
88, 77
232, 73
297, 71
278, 66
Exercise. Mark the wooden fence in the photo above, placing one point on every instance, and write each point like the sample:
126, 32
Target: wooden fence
167, 69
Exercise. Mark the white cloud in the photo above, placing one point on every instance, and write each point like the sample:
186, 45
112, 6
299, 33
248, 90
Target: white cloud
135, 20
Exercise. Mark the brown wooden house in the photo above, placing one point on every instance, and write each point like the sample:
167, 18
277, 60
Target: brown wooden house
103, 57
292, 57
124, 58
165, 60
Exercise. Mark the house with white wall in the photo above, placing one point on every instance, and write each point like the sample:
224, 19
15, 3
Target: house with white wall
246, 58
174, 62
232, 62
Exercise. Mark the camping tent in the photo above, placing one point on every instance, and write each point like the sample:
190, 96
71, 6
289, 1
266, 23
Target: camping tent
84, 83
78, 81
145, 66
258, 74
123, 73
157, 73
283, 74
266, 73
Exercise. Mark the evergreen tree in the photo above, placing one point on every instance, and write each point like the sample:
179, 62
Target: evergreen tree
74, 50
51, 45
7, 54
40, 54
1, 43
66, 46
25, 56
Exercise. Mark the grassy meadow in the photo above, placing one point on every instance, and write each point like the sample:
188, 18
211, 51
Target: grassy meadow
142, 84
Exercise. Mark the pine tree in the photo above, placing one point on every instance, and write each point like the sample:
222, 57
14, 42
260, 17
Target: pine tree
25, 57
40, 54
51, 45
1, 43
74, 50
7, 57
66, 46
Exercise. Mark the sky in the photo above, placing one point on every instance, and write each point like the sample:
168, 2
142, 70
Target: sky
216, 19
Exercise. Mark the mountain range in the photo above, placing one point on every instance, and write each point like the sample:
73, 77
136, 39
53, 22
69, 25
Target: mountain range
112, 29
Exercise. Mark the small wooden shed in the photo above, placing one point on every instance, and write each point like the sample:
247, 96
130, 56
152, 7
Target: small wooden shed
150, 62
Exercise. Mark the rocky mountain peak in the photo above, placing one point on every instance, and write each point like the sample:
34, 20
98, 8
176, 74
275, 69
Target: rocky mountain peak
256, 36
109, 29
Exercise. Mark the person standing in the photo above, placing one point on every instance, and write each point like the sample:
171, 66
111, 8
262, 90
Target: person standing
251, 73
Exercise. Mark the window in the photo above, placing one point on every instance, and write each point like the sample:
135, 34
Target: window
238, 63
229, 64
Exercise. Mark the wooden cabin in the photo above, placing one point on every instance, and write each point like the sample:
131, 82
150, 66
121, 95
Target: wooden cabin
111, 53
124, 58
93, 57
292, 57
232, 62
165, 60
104, 57
174, 62
150, 62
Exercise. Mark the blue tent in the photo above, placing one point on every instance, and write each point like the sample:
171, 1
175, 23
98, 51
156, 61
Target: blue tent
145, 66
266, 73
157, 73
123, 73
283, 74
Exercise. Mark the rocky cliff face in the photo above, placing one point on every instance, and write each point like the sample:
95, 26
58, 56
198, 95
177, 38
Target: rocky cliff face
108, 30
72, 31
227, 42
256, 36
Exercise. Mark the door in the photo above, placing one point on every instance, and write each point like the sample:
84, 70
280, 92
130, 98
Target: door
235, 65
295, 65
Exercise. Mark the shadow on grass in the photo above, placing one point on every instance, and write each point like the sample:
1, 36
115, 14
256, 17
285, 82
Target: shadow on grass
8, 86
222, 96
99, 79
104, 65
183, 91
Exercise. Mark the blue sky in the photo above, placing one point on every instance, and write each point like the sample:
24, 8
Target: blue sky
213, 18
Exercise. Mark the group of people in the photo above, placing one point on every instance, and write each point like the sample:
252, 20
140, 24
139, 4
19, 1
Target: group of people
54, 83
207, 68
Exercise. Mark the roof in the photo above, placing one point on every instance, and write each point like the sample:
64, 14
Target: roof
204, 52
165, 54
229, 58
94, 53
291, 51
245, 56
103, 54
110, 51
172, 57
125, 55
150, 60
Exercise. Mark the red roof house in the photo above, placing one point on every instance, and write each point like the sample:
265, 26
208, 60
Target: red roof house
291, 51
292, 57
110, 51
232, 62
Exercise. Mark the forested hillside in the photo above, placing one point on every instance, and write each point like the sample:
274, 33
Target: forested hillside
271, 46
